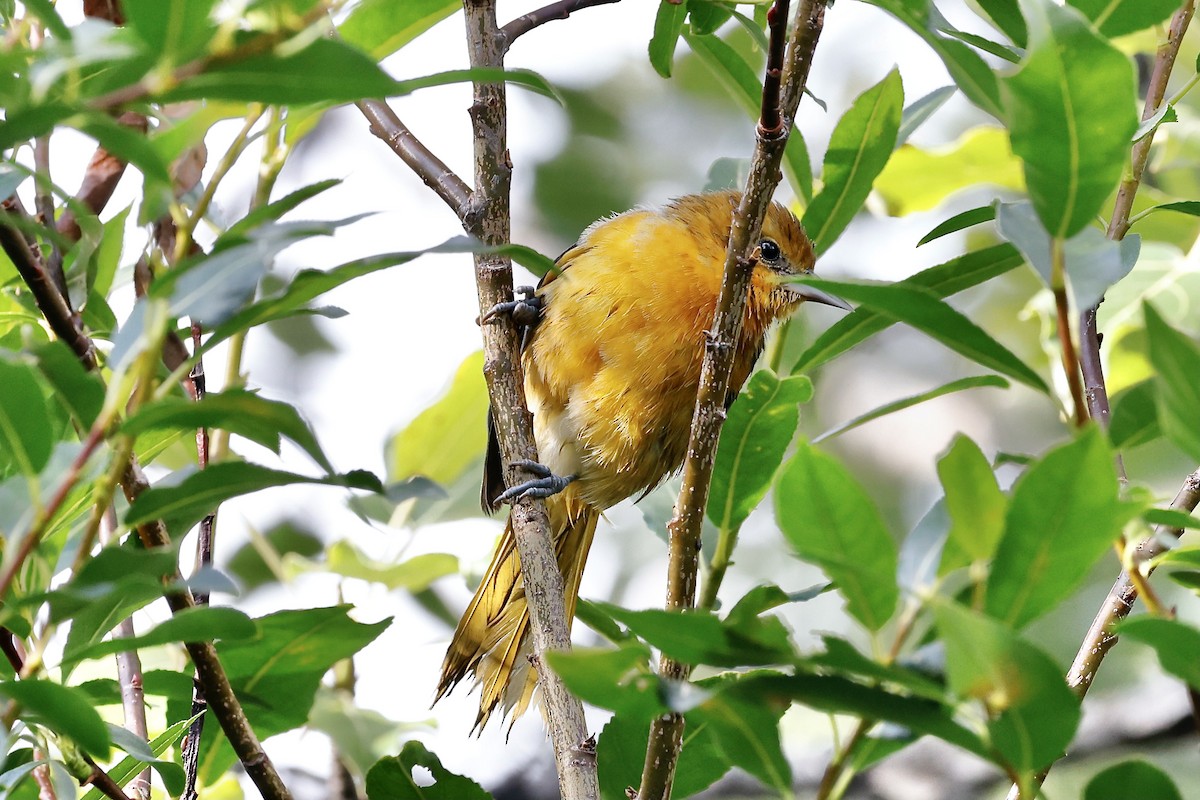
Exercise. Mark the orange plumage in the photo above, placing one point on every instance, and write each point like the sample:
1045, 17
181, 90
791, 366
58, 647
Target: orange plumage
611, 374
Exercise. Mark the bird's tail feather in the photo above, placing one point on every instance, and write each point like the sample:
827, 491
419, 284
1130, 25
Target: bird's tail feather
492, 641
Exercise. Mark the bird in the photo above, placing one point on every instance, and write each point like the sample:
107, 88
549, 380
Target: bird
612, 354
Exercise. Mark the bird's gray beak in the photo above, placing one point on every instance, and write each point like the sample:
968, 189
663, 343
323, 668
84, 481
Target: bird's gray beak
815, 295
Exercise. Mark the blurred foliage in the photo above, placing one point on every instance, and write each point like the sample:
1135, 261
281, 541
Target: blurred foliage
953, 576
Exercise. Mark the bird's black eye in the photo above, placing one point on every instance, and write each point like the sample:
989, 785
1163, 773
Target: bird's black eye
769, 250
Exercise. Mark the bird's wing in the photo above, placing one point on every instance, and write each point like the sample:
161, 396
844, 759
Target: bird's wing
493, 465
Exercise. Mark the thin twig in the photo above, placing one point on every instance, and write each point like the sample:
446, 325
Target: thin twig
453, 190
560, 10
1118, 225
666, 732
209, 672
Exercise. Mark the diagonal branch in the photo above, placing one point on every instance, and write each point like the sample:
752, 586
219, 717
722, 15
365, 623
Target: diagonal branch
50, 301
420, 159
666, 733
560, 10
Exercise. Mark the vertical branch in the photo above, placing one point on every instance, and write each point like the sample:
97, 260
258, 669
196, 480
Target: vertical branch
487, 217
129, 677
1118, 225
666, 732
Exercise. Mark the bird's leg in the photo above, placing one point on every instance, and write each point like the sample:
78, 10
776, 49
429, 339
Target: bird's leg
544, 485
525, 311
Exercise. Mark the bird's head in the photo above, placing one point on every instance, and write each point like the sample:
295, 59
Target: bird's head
784, 251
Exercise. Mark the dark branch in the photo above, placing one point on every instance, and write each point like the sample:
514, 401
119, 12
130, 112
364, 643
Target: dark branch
419, 158
50, 301
666, 732
527, 22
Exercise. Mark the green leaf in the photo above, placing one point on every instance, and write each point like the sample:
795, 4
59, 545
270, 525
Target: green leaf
273, 211
277, 673
1166, 113
699, 637
982, 43
835, 695
621, 750
185, 503
668, 25
1134, 418
908, 402
171, 773
758, 429
392, 778
747, 734
925, 311
1189, 207
842, 659
381, 27
79, 391
619, 680
1115, 18
1176, 643
26, 438
943, 280
741, 80
327, 70
63, 709
450, 436
1070, 110
411, 575
1175, 519
129, 144
1034, 714
918, 180
830, 520
236, 411
1006, 14
706, 16
1064, 514
102, 268
972, 74
974, 502
1173, 356
961, 221
177, 31
209, 288
199, 624
1092, 261
311, 283
916, 113
860, 146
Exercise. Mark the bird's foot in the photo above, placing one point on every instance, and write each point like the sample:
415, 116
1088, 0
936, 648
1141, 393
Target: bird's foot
525, 311
544, 485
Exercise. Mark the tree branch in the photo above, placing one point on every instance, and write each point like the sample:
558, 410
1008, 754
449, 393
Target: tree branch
50, 301
209, 672
1118, 225
420, 159
487, 217
666, 733
527, 22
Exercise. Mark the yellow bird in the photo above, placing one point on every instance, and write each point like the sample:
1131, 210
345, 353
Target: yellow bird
611, 373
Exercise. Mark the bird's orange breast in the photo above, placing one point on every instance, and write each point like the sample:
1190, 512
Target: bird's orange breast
613, 367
